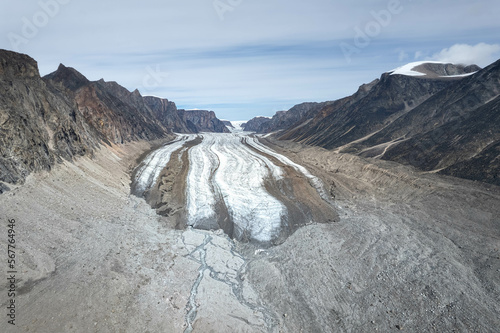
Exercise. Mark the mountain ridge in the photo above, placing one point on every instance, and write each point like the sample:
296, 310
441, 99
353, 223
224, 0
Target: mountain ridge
415, 119
45, 120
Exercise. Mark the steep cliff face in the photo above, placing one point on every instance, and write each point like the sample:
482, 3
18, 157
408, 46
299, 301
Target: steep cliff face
255, 124
182, 121
39, 125
119, 115
62, 115
166, 112
202, 121
227, 123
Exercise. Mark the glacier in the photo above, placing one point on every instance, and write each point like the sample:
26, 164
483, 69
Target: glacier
227, 183
224, 169
153, 164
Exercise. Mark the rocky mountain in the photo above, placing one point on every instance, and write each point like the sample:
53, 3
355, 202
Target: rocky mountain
456, 102
434, 116
39, 124
467, 146
182, 121
118, 115
435, 69
168, 114
283, 119
254, 124
62, 115
227, 123
456, 132
371, 108
202, 121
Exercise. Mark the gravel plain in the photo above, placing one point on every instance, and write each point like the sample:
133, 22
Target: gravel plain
410, 251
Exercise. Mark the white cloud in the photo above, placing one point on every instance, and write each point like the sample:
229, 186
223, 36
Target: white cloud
481, 54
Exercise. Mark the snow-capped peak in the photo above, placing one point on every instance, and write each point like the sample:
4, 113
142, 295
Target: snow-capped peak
409, 69
434, 69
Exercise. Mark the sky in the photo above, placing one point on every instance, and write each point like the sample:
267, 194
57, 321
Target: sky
246, 58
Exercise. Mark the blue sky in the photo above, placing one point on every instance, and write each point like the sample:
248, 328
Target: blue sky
245, 58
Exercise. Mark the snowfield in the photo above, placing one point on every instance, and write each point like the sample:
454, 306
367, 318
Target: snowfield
410, 69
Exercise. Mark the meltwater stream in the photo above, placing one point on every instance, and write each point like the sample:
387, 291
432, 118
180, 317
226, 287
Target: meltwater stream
235, 183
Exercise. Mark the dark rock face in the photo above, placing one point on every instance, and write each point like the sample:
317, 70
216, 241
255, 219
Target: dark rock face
283, 119
433, 122
68, 78
255, 124
14, 64
182, 121
456, 131
227, 123
485, 166
166, 112
63, 115
119, 115
38, 124
367, 111
456, 101
202, 121
470, 134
